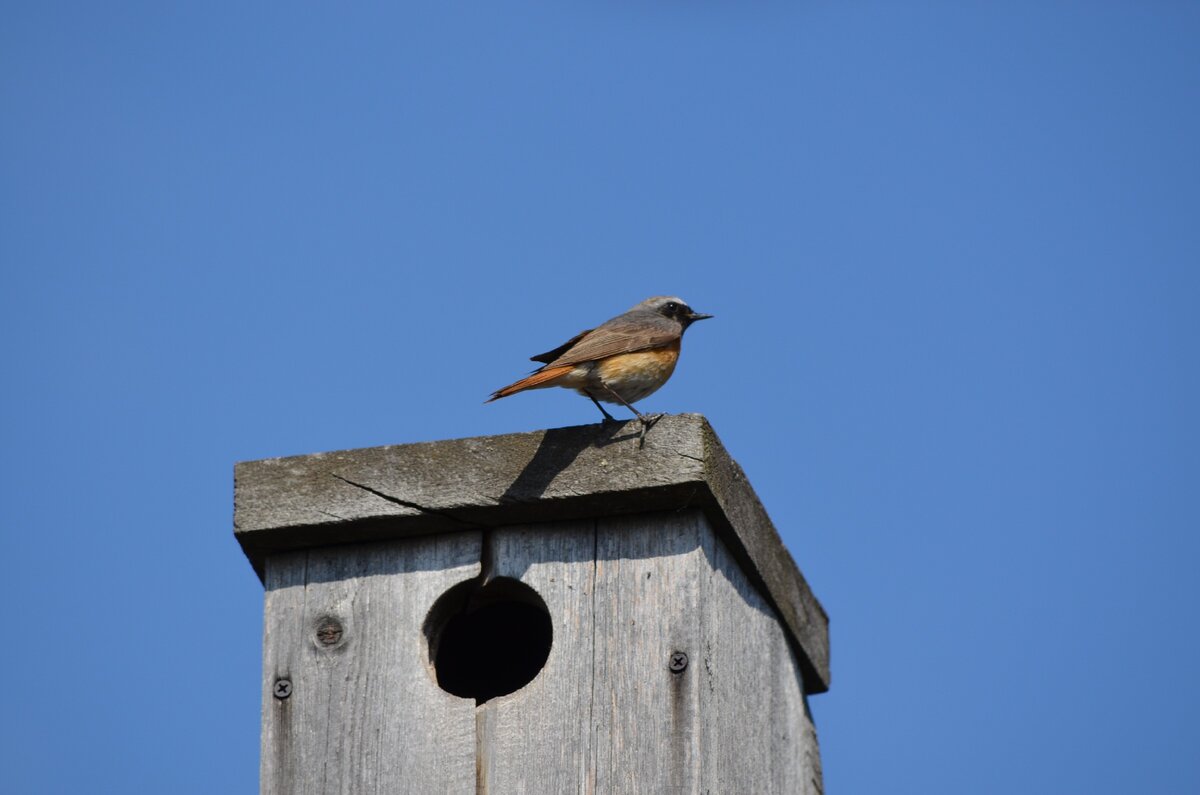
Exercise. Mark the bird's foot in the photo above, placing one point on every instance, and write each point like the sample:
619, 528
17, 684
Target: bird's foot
647, 421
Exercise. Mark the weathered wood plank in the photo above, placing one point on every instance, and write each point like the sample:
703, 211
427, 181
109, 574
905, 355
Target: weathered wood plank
649, 574
561, 474
538, 740
757, 735
364, 712
606, 714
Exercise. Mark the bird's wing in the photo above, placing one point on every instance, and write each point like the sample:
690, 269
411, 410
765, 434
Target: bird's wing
632, 331
550, 356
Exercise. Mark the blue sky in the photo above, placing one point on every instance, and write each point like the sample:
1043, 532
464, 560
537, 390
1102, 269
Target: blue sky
952, 250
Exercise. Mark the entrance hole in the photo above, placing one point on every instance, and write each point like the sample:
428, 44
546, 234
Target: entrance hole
488, 641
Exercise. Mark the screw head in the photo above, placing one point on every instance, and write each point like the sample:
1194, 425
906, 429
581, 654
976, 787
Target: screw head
678, 662
282, 689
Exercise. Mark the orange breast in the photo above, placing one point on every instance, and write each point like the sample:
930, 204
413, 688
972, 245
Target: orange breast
637, 375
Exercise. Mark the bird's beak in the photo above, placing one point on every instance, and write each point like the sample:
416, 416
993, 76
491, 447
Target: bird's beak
698, 316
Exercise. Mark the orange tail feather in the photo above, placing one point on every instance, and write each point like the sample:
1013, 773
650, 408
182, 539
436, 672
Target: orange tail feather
544, 377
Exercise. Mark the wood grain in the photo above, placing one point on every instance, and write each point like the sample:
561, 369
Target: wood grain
365, 714
606, 715
539, 738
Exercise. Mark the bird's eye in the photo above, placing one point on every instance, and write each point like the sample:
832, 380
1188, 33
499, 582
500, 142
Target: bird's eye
670, 306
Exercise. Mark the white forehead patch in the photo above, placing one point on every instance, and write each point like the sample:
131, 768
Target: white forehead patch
659, 300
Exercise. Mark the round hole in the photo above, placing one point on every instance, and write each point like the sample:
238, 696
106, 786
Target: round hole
488, 641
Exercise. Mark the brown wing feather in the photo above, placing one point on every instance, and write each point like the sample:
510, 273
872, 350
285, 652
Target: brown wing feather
550, 356
637, 330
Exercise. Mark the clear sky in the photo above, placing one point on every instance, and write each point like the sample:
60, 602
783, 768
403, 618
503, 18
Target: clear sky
954, 254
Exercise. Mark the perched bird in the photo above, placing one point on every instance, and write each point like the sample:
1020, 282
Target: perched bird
620, 361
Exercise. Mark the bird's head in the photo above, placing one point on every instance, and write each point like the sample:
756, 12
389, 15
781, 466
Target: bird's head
673, 307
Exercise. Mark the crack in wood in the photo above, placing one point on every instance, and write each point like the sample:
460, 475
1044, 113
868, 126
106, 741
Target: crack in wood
406, 503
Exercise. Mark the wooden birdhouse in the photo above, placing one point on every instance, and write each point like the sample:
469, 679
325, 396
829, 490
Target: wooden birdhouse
552, 612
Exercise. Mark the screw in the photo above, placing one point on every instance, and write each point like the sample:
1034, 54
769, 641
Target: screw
678, 662
283, 688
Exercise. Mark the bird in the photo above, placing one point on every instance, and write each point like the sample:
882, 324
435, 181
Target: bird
623, 360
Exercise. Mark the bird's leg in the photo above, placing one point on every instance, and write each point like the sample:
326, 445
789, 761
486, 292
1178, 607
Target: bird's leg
607, 417
646, 421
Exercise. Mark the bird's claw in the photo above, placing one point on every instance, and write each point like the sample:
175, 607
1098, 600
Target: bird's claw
647, 423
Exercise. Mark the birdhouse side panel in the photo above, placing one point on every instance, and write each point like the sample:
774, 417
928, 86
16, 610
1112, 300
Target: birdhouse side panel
755, 728
668, 672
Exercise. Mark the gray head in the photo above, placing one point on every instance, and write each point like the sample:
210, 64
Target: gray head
671, 306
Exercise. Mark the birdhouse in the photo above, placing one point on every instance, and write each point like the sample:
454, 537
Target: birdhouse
571, 610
